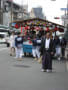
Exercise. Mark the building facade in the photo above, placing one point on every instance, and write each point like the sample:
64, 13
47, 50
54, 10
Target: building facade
37, 13
1, 13
10, 11
23, 13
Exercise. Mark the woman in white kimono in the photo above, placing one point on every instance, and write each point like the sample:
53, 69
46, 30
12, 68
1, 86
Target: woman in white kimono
12, 44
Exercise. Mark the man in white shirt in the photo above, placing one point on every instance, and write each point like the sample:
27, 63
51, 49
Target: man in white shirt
47, 43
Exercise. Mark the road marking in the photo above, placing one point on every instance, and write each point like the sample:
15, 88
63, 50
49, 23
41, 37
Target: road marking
3, 49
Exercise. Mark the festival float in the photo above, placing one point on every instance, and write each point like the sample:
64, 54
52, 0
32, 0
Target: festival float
33, 26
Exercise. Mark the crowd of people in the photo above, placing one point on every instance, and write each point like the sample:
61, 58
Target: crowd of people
44, 48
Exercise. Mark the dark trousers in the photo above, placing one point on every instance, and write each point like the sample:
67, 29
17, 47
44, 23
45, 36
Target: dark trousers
63, 52
47, 61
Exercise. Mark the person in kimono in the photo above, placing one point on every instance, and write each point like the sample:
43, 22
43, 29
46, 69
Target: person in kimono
34, 44
57, 47
63, 46
18, 44
38, 41
36, 47
47, 51
12, 44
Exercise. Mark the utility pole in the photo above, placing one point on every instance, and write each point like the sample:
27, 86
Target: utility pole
0, 4
11, 11
1, 13
22, 10
67, 10
66, 22
64, 19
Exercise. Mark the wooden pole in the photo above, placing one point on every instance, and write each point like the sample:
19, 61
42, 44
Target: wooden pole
11, 11
55, 33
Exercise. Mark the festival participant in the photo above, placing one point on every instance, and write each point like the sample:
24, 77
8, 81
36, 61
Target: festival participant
38, 40
34, 44
57, 47
12, 44
63, 46
18, 44
47, 50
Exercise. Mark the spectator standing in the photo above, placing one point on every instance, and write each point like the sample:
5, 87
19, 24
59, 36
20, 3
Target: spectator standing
57, 47
63, 46
47, 51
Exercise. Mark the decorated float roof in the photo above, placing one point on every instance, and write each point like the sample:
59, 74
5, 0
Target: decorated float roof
38, 23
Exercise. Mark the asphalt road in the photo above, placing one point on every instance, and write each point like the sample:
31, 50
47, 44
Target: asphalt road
27, 75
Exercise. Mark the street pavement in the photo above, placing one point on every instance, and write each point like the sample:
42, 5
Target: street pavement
27, 75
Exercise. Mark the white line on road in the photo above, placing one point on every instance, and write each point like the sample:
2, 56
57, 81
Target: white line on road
3, 49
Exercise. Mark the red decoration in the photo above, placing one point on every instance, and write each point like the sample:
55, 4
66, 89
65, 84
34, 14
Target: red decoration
40, 29
37, 28
47, 29
28, 38
17, 26
56, 17
27, 27
61, 30
25, 33
56, 28
30, 42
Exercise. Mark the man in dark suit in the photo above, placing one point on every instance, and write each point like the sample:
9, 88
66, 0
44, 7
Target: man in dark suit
47, 51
